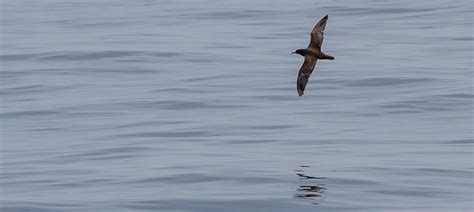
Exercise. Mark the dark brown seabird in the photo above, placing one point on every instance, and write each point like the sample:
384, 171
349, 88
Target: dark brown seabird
311, 54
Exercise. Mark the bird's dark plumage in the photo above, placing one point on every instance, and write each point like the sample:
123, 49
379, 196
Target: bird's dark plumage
311, 54
317, 34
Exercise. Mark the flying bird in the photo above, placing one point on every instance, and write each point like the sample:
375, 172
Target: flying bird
311, 54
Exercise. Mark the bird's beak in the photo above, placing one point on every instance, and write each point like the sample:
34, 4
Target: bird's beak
293, 52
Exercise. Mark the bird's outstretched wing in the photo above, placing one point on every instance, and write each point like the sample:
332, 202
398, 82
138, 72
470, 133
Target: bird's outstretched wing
304, 73
317, 34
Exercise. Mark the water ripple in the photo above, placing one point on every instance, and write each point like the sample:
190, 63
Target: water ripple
385, 81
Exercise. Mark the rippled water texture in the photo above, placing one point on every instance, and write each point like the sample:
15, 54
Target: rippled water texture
192, 106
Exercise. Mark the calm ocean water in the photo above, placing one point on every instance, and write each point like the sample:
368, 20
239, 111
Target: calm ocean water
192, 106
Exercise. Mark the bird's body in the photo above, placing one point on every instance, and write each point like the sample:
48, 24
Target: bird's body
311, 54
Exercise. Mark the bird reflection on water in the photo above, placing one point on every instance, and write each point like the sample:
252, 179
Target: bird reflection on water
311, 190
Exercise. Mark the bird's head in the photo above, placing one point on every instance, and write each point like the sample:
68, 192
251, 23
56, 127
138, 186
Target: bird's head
301, 52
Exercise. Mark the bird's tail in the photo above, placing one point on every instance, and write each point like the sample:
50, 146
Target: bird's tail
323, 56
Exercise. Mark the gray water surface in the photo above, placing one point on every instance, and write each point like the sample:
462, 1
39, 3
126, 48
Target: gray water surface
192, 106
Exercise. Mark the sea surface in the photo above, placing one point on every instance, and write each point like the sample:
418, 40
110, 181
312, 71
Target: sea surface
192, 106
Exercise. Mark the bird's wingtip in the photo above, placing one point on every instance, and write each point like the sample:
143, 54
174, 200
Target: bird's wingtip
325, 18
300, 93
